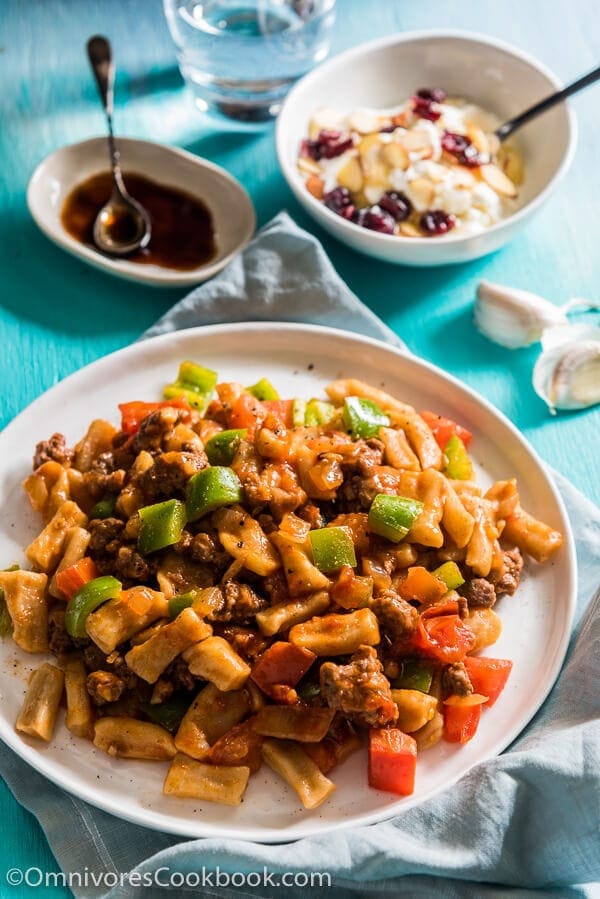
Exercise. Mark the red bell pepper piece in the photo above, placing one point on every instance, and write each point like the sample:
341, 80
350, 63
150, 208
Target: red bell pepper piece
247, 412
444, 428
71, 579
133, 414
281, 664
440, 634
281, 411
488, 676
392, 761
461, 722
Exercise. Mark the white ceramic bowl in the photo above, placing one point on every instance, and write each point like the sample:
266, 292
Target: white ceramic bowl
382, 73
230, 205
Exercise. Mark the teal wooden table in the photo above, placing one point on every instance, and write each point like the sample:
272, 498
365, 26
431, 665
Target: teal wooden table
57, 314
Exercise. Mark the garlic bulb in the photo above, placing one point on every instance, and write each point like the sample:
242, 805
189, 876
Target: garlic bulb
512, 317
567, 374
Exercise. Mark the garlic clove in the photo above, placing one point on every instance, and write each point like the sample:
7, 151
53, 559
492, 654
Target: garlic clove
512, 317
567, 374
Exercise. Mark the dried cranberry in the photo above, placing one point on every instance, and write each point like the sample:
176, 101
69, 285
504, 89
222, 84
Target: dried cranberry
433, 94
340, 202
462, 148
398, 205
375, 219
328, 145
436, 222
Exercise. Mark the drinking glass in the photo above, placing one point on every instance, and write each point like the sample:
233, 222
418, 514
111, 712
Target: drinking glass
240, 57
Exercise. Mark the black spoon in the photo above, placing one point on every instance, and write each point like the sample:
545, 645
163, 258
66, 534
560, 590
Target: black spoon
122, 226
518, 121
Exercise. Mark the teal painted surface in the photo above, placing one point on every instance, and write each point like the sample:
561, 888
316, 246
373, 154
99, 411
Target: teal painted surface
57, 314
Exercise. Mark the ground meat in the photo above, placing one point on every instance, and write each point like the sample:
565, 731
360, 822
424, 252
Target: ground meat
358, 492
93, 657
156, 429
58, 638
509, 580
207, 549
105, 540
479, 592
104, 686
169, 475
104, 477
359, 689
123, 453
395, 615
311, 513
119, 666
54, 449
456, 680
178, 674
240, 603
247, 642
370, 456
275, 586
131, 566
163, 690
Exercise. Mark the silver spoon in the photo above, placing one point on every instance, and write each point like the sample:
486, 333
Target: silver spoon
518, 121
122, 226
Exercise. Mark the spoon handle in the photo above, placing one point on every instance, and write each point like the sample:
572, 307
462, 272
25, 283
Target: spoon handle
101, 61
509, 127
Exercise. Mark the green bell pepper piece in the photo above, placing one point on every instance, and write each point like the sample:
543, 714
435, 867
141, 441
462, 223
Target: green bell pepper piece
450, 574
178, 603
194, 383
168, 714
308, 691
318, 412
415, 676
362, 417
161, 525
458, 465
104, 508
332, 548
263, 390
393, 516
86, 600
298, 413
221, 448
210, 489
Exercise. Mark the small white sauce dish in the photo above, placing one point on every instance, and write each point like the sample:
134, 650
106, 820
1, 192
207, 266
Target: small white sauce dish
381, 74
232, 210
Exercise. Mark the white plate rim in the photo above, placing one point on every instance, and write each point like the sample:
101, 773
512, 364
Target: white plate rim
152, 275
166, 823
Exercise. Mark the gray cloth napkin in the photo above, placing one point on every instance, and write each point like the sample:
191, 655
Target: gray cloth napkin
521, 824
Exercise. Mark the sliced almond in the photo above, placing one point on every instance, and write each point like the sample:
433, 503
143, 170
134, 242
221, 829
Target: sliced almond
463, 177
373, 191
364, 121
437, 172
416, 140
350, 175
315, 186
395, 155
493, 144
497, 180
511, 164
478, 138
407, 229
309, 166
422, 192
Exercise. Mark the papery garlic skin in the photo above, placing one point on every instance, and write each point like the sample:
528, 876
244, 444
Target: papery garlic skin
567, 374
512, 317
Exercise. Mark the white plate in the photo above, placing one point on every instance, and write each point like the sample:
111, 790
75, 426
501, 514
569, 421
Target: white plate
536, 621
231, 207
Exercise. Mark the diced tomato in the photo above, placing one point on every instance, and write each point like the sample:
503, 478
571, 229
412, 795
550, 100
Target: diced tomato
73, 578
444, 428
281, 411
392, 761
281, 664
488, 676
461, 722
247, 412
133, 414
440, 634
421, 585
